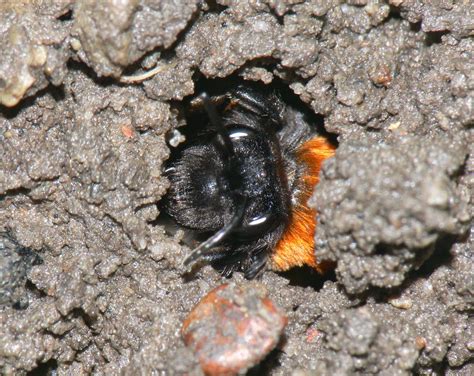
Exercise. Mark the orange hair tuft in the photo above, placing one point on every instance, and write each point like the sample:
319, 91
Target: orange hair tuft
296, 246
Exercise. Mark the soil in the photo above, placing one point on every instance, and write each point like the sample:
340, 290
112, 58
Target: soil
91, 278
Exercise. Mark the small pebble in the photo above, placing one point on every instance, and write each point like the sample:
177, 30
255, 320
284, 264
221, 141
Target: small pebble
401, 303
420, 343
233, 328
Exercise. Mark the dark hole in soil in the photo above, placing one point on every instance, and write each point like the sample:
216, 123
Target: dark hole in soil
66, 16
440, 256
307, 277
45, 369
194, 123
434, 37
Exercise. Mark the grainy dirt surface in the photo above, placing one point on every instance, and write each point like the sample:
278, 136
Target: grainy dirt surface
90, 281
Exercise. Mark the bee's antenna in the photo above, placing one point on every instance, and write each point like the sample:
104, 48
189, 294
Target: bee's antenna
203, 249
222, 137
